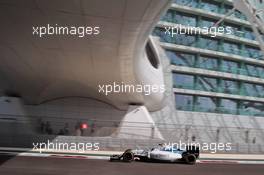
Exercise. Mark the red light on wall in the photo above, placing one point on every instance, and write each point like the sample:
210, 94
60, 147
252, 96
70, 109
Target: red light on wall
84, 126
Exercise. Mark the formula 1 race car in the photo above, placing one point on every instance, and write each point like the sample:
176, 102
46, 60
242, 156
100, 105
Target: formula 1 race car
160, 154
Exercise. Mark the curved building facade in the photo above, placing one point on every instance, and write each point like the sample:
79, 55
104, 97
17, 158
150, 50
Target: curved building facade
218, 81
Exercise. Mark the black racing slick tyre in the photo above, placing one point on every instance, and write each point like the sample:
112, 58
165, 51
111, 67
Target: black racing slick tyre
190, 159
128, 156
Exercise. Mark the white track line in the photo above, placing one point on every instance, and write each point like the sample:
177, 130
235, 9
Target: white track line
55, 155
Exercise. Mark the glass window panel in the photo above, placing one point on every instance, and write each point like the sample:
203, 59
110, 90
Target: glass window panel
252, 108
235, 14
253, 90
227, 8
207, 63
183, 80
184, 102
189, 3
168, 16
160, 32
181, 59
207, 84
260, 71
230, 87
208, 43
229, 66
253, 52
239, 15
187, 40
232, 48
185, 19
235, 29
249, 34
252, 70
206, 104
205, 22
228, 106
210, 6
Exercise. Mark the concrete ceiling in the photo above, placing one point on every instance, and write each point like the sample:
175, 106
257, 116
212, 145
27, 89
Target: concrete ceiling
41, 69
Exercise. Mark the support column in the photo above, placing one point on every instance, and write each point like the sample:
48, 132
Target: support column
137, 124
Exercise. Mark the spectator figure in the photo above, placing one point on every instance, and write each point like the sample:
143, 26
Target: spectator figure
217, 135
42, 127
193, 138
78, 132
78, 129
92, 127
247, 136
61, 132
48, 128
116, 124
152, 132
82, 131
66, 129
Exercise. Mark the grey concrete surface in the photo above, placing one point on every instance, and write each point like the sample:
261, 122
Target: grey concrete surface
59, 166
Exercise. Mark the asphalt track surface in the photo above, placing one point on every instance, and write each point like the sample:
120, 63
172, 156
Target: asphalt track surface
67, 166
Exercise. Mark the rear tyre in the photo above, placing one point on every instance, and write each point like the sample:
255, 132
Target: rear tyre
128, 156
190, 159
